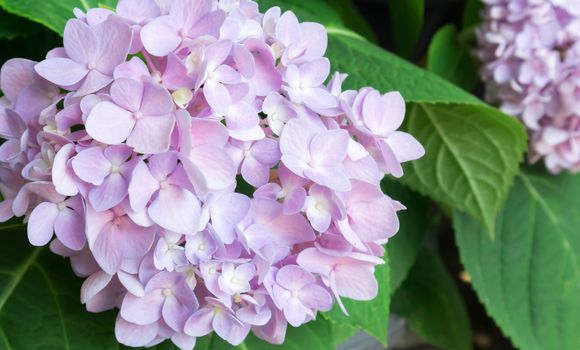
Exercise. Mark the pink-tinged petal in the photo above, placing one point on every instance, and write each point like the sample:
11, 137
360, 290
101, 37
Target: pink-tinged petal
226, 75
94, 285
41, 223
132, 283
229, 328
80, 42
110, 193
214, 164
319, 99
254, 172
280, 296
405, 146
296, 313
288, 28
142, 311
293, 277
244, 61
356, 281
152, 134
208, 132
332, 177
160, 36
176, 209
94, 81
315, 41
6, 210
108, 248
61, 71
138, 11
370, 227
128, 93
183, 341
15, 75
208, 25
162, 165
226, 212
275, 330
296, 139
135, 68
389, 162
200, 323
329, 148
63, 176
349, 234
109, 123
134, 335
285, 229
114, 43
174, 313
314, 73
316, 297
69, 227
315, 261
320, 219
242, 116
217, 96
254, 317
216, 53
118, 155
266, 151
94, 223
156, 100
141, 187
11, 124
135, 240
91, 165
294, 201
383, 114
266, 77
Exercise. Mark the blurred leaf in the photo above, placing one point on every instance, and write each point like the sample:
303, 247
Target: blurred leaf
431, 303
451, 59
471, 13
353, 19
403, 248
12, 26
528, 276
407, 18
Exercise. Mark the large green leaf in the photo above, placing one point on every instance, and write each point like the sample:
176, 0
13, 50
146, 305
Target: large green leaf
407, 18
403, 248
51, 13
528, 277
431, 303
452, 59
39, 301
371, 316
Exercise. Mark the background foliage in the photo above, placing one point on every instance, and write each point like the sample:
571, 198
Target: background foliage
519, 243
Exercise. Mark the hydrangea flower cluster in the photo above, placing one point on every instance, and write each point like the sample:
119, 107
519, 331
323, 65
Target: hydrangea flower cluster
125, 150
530, 51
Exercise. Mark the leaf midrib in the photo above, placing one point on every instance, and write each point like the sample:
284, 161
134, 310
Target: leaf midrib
459, 162
17, 276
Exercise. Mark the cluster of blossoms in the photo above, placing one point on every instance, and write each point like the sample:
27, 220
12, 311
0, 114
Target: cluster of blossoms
125, 150
530, 51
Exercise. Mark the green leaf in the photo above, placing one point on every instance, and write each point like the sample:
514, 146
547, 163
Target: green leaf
472, 156
371, 316
320, 11
12, 26
452, 59
51, 13
403, 248
431, 303
407, 18
528, 276
39, 301
353, 19
472, 13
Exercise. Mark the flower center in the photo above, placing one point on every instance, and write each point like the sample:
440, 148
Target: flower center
137, 115
167, 292
115, 169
